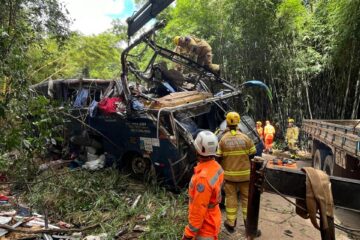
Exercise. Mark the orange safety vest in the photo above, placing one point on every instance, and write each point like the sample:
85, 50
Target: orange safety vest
235, 148
204, 198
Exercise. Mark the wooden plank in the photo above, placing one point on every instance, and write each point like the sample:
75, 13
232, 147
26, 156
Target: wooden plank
179, 98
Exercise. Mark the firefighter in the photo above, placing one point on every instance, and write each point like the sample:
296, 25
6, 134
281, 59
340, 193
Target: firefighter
269, 133
260, 130
196, 49
234, 152
205, 191
291, 138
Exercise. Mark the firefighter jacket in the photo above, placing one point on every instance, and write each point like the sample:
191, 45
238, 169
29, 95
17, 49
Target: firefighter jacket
195, 47
204, 198
235, 148
292, 134
269, 130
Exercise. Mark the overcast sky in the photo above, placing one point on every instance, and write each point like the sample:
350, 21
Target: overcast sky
95, 16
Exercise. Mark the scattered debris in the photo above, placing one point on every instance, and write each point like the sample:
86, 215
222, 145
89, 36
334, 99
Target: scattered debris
30, 227
54, 164
3, 198
96, 164
122, 231
8, 213
62, 224
139, 228
40, 222
102, 236
136, 202
5, 220
76, 235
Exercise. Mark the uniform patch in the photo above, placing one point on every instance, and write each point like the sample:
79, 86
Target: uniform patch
200, 187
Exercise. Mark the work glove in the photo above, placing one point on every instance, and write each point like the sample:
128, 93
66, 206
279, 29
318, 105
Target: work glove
186, 238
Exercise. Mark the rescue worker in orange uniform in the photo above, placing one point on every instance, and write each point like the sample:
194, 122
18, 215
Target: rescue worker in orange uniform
205, 191
196, 49
260, 130
269, 133
234, 152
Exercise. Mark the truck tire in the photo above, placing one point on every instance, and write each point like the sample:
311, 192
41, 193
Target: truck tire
318, 159
329, 165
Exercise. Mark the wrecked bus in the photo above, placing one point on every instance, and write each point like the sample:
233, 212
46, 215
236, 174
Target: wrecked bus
149, 130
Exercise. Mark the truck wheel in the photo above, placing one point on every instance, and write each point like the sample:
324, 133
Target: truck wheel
329, 165
140, 167
317, 159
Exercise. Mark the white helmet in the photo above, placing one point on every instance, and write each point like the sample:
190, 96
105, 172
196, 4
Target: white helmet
206, 143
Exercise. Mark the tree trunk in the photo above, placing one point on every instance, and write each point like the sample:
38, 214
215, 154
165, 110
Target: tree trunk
346, 94
307, 98
357, 98
357, 108
347, 84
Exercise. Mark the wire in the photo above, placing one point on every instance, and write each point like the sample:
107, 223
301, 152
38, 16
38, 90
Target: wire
340, 227
283, 196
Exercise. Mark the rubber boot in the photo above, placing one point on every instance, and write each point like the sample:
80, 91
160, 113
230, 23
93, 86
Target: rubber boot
229, 227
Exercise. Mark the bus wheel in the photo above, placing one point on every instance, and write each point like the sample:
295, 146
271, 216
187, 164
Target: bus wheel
329, 165
140, 167
317, 159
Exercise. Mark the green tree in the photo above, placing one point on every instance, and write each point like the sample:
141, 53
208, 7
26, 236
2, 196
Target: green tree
23, 23
98, 54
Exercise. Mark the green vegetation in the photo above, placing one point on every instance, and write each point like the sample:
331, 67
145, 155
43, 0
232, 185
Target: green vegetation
301, 49
84, 198
88, 56
307, 51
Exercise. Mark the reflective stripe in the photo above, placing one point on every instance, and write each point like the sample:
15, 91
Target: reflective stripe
192, 228
237, 173
252, 150
235, 153
231, 217
214, 179
204, 238
219, 152
231, 210
244, 211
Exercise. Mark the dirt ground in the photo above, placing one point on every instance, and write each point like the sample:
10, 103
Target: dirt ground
278, 220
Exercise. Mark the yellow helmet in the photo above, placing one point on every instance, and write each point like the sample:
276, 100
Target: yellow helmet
232, 119
176, 40
291, 120
259, 123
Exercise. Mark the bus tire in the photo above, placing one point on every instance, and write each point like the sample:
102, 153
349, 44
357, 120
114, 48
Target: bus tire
317, 162
139, 167
329, 165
